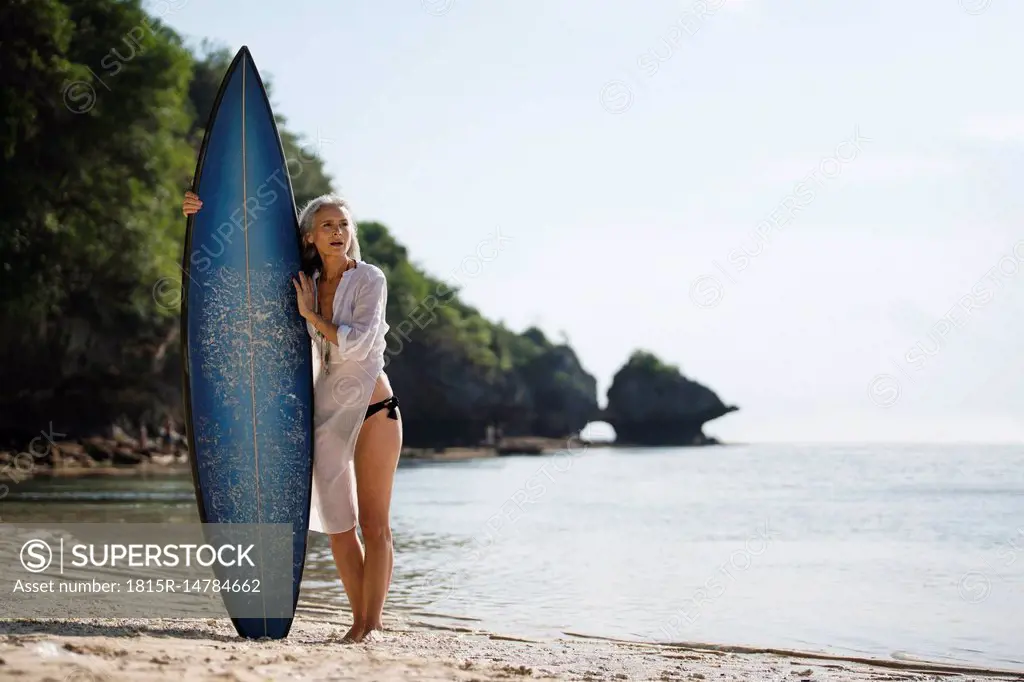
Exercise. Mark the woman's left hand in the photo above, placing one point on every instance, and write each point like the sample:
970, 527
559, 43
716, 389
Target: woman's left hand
304, 295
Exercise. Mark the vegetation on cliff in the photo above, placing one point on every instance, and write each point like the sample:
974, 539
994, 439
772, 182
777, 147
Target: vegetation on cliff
95, 116
103, 110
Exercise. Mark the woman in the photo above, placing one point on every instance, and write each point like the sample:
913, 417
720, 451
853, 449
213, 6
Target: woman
357, 426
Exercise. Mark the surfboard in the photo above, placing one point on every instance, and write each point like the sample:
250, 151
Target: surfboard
247, 365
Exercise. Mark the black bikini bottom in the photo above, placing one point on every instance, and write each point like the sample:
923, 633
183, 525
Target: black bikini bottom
388, 404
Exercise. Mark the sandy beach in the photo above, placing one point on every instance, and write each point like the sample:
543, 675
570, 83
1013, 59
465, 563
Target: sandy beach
136, 649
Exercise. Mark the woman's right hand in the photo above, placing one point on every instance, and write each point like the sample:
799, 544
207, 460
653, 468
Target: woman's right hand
191, 204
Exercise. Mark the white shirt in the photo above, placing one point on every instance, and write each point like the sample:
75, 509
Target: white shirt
342, 388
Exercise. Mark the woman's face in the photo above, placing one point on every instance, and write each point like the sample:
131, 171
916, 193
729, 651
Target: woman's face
332, 232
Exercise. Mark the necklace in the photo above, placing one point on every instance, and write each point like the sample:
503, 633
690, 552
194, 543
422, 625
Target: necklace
322, 342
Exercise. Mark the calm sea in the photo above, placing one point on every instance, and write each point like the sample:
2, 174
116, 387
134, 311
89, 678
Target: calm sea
886, 551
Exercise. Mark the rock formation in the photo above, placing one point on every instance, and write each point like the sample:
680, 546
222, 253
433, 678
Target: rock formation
651, 403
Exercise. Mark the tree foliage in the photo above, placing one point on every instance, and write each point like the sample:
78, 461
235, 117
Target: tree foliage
103, 110
95, 154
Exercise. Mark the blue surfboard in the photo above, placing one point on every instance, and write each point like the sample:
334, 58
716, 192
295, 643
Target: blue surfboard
248, 375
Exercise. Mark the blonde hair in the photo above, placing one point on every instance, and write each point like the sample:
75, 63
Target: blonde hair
310, 257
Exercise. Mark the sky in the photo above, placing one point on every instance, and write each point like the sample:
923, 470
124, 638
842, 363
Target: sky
811, 207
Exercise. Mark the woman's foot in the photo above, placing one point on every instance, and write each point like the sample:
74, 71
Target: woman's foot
373, 633
374, 636
355, 634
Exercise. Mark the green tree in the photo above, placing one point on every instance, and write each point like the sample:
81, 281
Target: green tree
103, 111
93, 138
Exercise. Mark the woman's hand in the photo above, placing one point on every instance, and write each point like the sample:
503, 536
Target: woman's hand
304, 295
191, 204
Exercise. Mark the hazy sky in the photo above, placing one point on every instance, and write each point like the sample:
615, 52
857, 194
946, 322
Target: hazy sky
634, 156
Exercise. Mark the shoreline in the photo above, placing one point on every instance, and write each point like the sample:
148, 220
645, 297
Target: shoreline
122, 457
111, 650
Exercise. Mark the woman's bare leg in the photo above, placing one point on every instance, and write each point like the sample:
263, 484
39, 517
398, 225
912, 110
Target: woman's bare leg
348, 558
376, 458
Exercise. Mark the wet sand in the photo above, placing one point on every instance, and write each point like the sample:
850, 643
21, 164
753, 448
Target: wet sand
183, 651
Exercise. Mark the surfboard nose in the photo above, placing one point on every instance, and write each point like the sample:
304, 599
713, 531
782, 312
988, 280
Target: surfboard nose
243, 58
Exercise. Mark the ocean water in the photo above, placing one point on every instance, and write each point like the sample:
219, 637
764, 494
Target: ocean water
906, 551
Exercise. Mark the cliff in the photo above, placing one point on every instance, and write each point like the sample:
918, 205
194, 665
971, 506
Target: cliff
91, 240
457, 372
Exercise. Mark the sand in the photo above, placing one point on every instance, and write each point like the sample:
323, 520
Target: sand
183, 651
